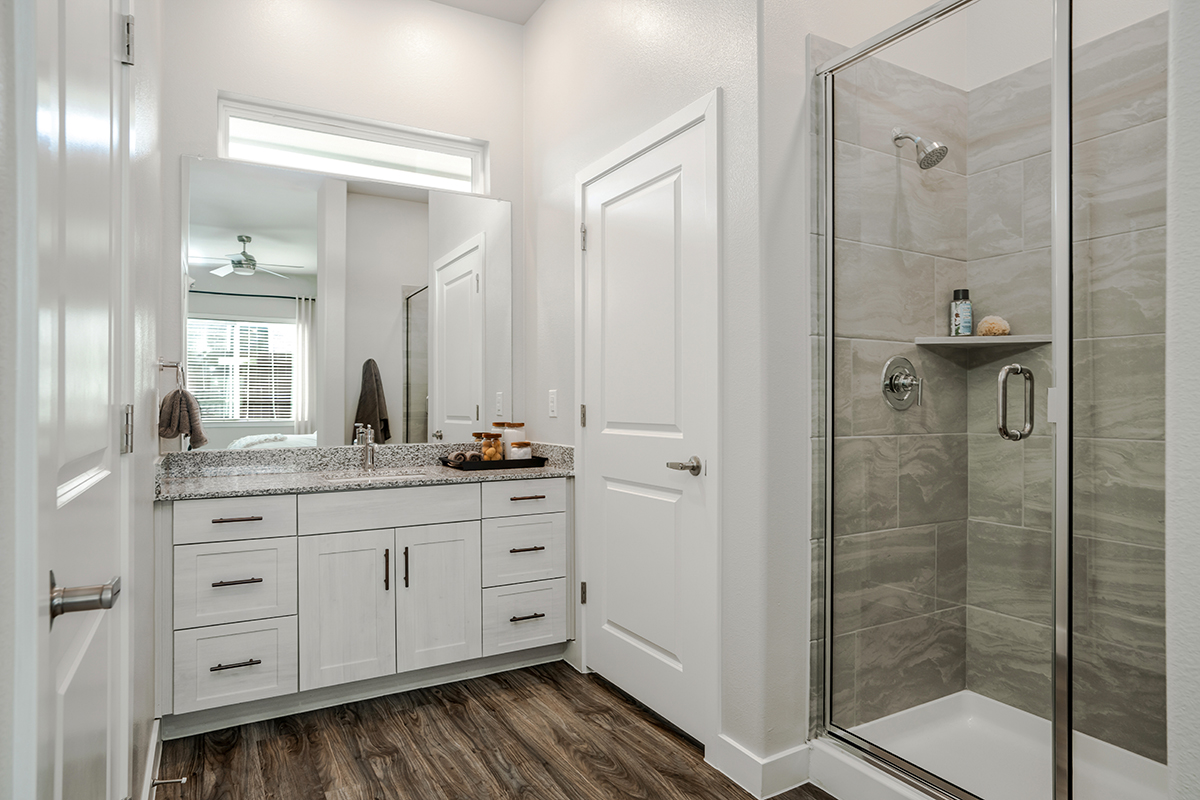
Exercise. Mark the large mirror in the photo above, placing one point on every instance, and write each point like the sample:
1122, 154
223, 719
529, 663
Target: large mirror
313, 302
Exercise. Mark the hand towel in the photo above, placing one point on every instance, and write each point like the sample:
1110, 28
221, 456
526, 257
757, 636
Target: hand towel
372, 407
179, 415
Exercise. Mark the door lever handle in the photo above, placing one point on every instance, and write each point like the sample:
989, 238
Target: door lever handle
64, 600
692, 465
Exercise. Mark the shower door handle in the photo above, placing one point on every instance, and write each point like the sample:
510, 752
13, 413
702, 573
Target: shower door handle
1012, 434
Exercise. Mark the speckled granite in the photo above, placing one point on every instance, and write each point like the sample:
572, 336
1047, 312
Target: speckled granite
239, 473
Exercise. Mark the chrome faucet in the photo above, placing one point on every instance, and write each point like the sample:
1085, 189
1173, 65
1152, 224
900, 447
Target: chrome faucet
365, 438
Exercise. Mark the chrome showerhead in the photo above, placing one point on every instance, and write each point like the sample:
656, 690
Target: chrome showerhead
929, 154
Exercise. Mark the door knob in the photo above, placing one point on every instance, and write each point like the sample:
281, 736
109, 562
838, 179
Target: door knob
64, 600
692, 465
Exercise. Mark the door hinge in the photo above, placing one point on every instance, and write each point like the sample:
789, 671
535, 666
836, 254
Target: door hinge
582, 236
476, 283
477, 411
127, 41
582, 416
127, 431
583, 593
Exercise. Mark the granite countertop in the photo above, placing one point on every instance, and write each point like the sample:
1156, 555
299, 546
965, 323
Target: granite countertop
204, 475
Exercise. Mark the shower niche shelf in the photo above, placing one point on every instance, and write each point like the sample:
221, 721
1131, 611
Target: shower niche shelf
1028, 339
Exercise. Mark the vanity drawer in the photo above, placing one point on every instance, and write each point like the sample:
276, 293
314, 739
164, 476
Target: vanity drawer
523, 549
221, 582
515, 498
509, 621
371, 509
235, 663
226, 519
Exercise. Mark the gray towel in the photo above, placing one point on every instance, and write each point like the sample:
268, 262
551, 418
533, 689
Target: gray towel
372, 407
179, 415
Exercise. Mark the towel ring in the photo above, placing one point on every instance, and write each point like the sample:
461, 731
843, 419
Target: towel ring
180, 375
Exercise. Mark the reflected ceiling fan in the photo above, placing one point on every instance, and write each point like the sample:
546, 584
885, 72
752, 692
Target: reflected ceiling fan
245, 264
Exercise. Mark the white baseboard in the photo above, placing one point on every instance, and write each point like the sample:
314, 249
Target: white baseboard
761, 777
153, 760
845, 776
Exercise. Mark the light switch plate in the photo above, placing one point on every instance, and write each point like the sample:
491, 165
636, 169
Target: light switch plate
554, 402
499, 404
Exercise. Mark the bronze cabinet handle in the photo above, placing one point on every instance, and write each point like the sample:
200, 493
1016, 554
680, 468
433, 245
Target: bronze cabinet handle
527, 616
387, 569
406, 568
236, 519
533, 549
530, 497
253, 662
237, 583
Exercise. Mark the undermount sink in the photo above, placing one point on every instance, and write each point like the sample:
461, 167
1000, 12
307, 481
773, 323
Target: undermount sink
375, 475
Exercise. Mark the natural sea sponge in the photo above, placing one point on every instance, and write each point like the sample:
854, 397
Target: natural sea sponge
992, 326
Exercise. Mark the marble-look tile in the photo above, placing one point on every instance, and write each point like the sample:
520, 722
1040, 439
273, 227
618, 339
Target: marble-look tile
948, 275
881, 293
1119, 490
843, 681
819, 402
843, 387
944, 392
1125, 283
816, 287
888, 200
1039, 481
981, 398
845, 105
1016, 287
952, 563
816, 621
1120, 80
1036, 202
996, 479
882, 577
816, 687
1010, 571
933, 479
995, 213
906, 663
1120, 389
1010, 118
865, 476
818, 488
1080, 556
1120, 182
1125, 596
1010, 660
1120, 696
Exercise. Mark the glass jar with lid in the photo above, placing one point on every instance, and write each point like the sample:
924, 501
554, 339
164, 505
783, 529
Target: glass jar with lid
520, 450
513, 432
492, 447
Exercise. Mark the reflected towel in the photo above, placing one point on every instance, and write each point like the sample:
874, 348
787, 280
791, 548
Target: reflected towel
372, 407
179, 415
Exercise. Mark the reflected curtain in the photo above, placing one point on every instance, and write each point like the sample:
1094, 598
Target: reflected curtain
304, 373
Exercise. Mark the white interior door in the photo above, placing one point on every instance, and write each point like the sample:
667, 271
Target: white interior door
650, 363
456, 363
438, 595
82, 736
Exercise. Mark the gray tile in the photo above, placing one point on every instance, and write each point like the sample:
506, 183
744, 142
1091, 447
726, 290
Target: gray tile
1038, 454
818, 488
1120, 182
995, 211
1010, 660
1120, 387
1119, 490
1120, 697
1036, 176
1015, 287
816, 687
948, 275
1010, 118
816, 621
816, 287
889, 201
952, 563
996, 479
845, 105
933, 479
945, 391
1120, 80
817, 408
865, 475
981, 401
843, 681
1010, 571
1126, 282
906, 663
880, 293
1125, 596
843, 387
882, 577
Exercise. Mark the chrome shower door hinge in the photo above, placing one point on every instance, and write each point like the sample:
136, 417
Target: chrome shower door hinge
127, 430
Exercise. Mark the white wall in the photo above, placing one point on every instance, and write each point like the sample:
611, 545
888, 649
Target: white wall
1183, 385
387, 247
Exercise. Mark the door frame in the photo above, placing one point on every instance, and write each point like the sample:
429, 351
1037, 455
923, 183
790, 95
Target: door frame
706, 110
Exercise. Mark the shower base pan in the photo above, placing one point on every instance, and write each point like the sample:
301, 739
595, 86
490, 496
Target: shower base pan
1002, 753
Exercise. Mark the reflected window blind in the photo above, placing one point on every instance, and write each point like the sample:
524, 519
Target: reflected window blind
241, 370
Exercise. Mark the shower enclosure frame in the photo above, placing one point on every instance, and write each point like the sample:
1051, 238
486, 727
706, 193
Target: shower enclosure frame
1059, 403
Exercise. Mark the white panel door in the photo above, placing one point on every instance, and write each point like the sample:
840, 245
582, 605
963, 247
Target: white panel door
79, 371
650, 385
347, 607
456, 364
438, 595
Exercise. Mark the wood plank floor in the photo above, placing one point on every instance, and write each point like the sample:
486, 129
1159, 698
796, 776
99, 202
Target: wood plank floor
543, 732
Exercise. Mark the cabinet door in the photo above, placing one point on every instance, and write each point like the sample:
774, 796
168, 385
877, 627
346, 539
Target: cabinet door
438, 595
347, 607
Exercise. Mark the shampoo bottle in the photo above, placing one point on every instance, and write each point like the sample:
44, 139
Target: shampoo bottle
960, 313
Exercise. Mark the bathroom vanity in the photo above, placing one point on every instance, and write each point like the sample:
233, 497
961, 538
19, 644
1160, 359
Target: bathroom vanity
297, 590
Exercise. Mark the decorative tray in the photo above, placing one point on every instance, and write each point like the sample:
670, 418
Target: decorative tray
516, 463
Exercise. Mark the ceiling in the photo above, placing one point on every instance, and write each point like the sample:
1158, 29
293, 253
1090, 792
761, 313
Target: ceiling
518, 11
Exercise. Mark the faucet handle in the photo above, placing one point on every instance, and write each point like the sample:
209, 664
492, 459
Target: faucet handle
358, 432
370, 435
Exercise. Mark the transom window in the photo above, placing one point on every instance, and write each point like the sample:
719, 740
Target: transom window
242, 370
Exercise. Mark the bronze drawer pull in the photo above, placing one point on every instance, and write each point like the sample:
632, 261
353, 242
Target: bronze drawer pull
527, 549
406, 568
530, 497
237, 519
254, 662
237, 583
387, 569
527, 616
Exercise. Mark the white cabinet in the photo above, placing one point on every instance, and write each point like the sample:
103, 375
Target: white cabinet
523, 549
523, 616
533, 496
222, 582
234, 663
347, 607
224, 519
438, 596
